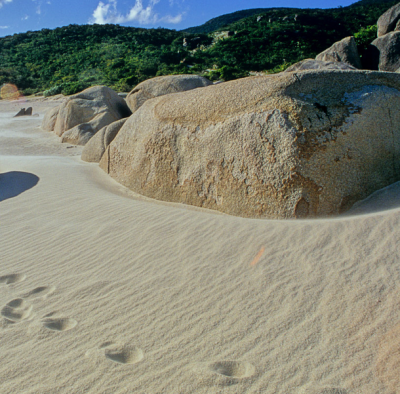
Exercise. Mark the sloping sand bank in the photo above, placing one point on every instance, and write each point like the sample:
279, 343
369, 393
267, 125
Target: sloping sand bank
102, 291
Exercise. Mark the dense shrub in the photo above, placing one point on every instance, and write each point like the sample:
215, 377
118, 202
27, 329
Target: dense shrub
53, 91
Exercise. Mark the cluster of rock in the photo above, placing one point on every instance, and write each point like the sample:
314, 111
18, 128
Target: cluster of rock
82, 115
290, 145
383, 53
304, 143
24, 112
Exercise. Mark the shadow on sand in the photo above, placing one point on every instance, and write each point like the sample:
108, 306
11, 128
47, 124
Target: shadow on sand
14, 183
382, 200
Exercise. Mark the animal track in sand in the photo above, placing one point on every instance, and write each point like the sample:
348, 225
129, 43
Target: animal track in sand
41, 291
63, 324
12, 278
17, 310
124, 354
233, 369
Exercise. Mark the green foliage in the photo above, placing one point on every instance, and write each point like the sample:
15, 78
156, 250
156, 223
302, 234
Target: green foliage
364, 37
224, 20
226, 73
73, 88
71, 58
53, 91
280, 68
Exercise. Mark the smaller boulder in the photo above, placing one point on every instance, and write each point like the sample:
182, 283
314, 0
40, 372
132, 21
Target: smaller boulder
81, 134
160, 86
24, 112
95, 148
312, 64
50, 118
83, 114
389, 20
384, 53
20, 113
344, 51
78, 135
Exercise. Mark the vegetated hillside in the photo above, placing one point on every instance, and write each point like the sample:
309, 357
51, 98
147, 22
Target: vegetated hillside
227, 19
223, 20
76, 57
277, 38
71, 58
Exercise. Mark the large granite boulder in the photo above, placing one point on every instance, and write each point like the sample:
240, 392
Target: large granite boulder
344, 51
384, 53
160, 86
287, 145
95, 148
312, 64
82, 115
388, 21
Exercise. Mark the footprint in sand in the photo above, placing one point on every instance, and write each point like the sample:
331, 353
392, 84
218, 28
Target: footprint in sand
61, 324
17, 310
38, 292
12, 278
232, 369
122, 354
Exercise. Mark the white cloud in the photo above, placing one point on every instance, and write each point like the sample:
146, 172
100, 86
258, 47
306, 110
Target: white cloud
172, 19
2, 2
39, 4
4, 27
24, 18
108, 13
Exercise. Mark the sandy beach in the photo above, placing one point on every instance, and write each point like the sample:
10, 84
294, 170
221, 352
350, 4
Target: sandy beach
105, 292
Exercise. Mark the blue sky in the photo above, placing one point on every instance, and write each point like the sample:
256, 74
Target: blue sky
17, 16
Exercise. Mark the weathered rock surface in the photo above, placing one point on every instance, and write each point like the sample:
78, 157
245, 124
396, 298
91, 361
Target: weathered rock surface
85, 113
312, 64
50, 118
388, 21
289, 145
95, 148
344, 51
160, 86
384, 53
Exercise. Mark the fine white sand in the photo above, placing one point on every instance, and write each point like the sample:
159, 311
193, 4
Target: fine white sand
103, 291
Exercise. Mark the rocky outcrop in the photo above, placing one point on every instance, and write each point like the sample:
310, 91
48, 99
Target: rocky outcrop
384, 53
24, 112
95, 148
160, 86
344, 51
301, 144
389, 20
85, 113
312, 64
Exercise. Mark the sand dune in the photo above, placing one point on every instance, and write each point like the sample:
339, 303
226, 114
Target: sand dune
103, 291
